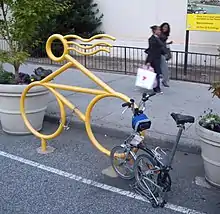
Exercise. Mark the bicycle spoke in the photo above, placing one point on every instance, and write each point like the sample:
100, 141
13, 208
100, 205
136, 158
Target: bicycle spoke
149, 180
124, 165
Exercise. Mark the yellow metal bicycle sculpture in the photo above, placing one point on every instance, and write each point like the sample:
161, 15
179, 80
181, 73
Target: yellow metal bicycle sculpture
70, 45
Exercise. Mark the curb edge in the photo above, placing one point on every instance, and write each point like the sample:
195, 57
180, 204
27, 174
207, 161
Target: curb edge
114, 132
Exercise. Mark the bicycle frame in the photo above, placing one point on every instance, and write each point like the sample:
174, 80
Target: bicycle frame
164, 169
133, 149
173, 152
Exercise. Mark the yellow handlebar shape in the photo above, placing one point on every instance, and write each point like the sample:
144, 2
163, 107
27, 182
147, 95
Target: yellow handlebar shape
66, 43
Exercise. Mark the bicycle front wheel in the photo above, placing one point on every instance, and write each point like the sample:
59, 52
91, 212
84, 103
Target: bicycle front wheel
145, 175
122, 162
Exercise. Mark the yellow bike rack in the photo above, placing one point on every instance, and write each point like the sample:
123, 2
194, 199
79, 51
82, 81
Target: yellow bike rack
62, 101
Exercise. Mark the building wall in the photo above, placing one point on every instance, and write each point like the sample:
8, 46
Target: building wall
129, 22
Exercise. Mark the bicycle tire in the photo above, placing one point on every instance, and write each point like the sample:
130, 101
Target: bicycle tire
138, 174
131, 160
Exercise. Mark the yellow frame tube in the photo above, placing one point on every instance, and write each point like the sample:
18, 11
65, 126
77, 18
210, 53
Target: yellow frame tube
88, 73
88, 117
43, 145
57, 72
28, 124
69, 105
75, 89
89, 53
88, 47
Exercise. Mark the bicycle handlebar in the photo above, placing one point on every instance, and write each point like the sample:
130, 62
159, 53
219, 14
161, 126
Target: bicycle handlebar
128, 104
145, 97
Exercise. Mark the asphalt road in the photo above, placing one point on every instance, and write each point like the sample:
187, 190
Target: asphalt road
70, 179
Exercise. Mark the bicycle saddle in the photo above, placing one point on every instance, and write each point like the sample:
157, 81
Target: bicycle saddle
181, 119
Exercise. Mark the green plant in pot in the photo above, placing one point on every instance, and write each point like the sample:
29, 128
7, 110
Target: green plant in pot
19, 20
23, 78
208, 130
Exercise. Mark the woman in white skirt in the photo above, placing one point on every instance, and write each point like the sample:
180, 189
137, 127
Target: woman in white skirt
165, 33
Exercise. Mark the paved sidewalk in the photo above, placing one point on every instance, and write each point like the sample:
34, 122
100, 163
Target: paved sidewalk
181, 97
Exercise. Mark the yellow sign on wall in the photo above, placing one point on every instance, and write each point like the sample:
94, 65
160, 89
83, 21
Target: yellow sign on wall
203, 15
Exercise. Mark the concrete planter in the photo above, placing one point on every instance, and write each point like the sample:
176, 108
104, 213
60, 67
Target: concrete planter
10, 117
210, 145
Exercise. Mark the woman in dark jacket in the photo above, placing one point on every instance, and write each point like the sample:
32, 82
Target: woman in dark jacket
155, 50
165, 33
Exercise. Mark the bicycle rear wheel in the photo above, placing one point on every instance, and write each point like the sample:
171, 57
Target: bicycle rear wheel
145, 175
122, 163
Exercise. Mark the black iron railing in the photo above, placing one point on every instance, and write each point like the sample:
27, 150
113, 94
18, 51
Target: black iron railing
203, 68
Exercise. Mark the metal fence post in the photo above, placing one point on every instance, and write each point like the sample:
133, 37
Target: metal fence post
125, 49
85, 59
186, 53
177, 55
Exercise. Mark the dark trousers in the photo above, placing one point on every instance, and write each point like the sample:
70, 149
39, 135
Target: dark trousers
157, 69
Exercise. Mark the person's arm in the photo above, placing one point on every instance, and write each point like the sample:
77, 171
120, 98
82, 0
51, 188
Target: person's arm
159, 42
149, 59
163, 38
152, 43
161, 45
169, 43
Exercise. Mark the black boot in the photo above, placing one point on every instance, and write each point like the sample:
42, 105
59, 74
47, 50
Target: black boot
157, 90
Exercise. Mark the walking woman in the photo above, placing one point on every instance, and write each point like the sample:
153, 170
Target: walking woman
165, 33
154, 51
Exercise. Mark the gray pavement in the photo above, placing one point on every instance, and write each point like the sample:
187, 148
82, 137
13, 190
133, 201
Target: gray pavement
29, 188
181, 97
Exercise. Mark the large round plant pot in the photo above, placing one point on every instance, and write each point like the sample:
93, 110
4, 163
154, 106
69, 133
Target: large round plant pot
35, 106
210, 146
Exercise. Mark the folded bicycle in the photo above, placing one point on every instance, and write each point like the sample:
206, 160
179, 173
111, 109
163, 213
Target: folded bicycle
150, 169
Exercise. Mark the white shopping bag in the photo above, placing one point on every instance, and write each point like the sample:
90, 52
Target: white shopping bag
146, 78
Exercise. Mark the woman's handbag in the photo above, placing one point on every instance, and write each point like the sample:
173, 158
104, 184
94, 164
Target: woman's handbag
146, 78
168, 55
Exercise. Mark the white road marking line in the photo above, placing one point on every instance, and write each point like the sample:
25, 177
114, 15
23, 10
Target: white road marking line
94, 183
